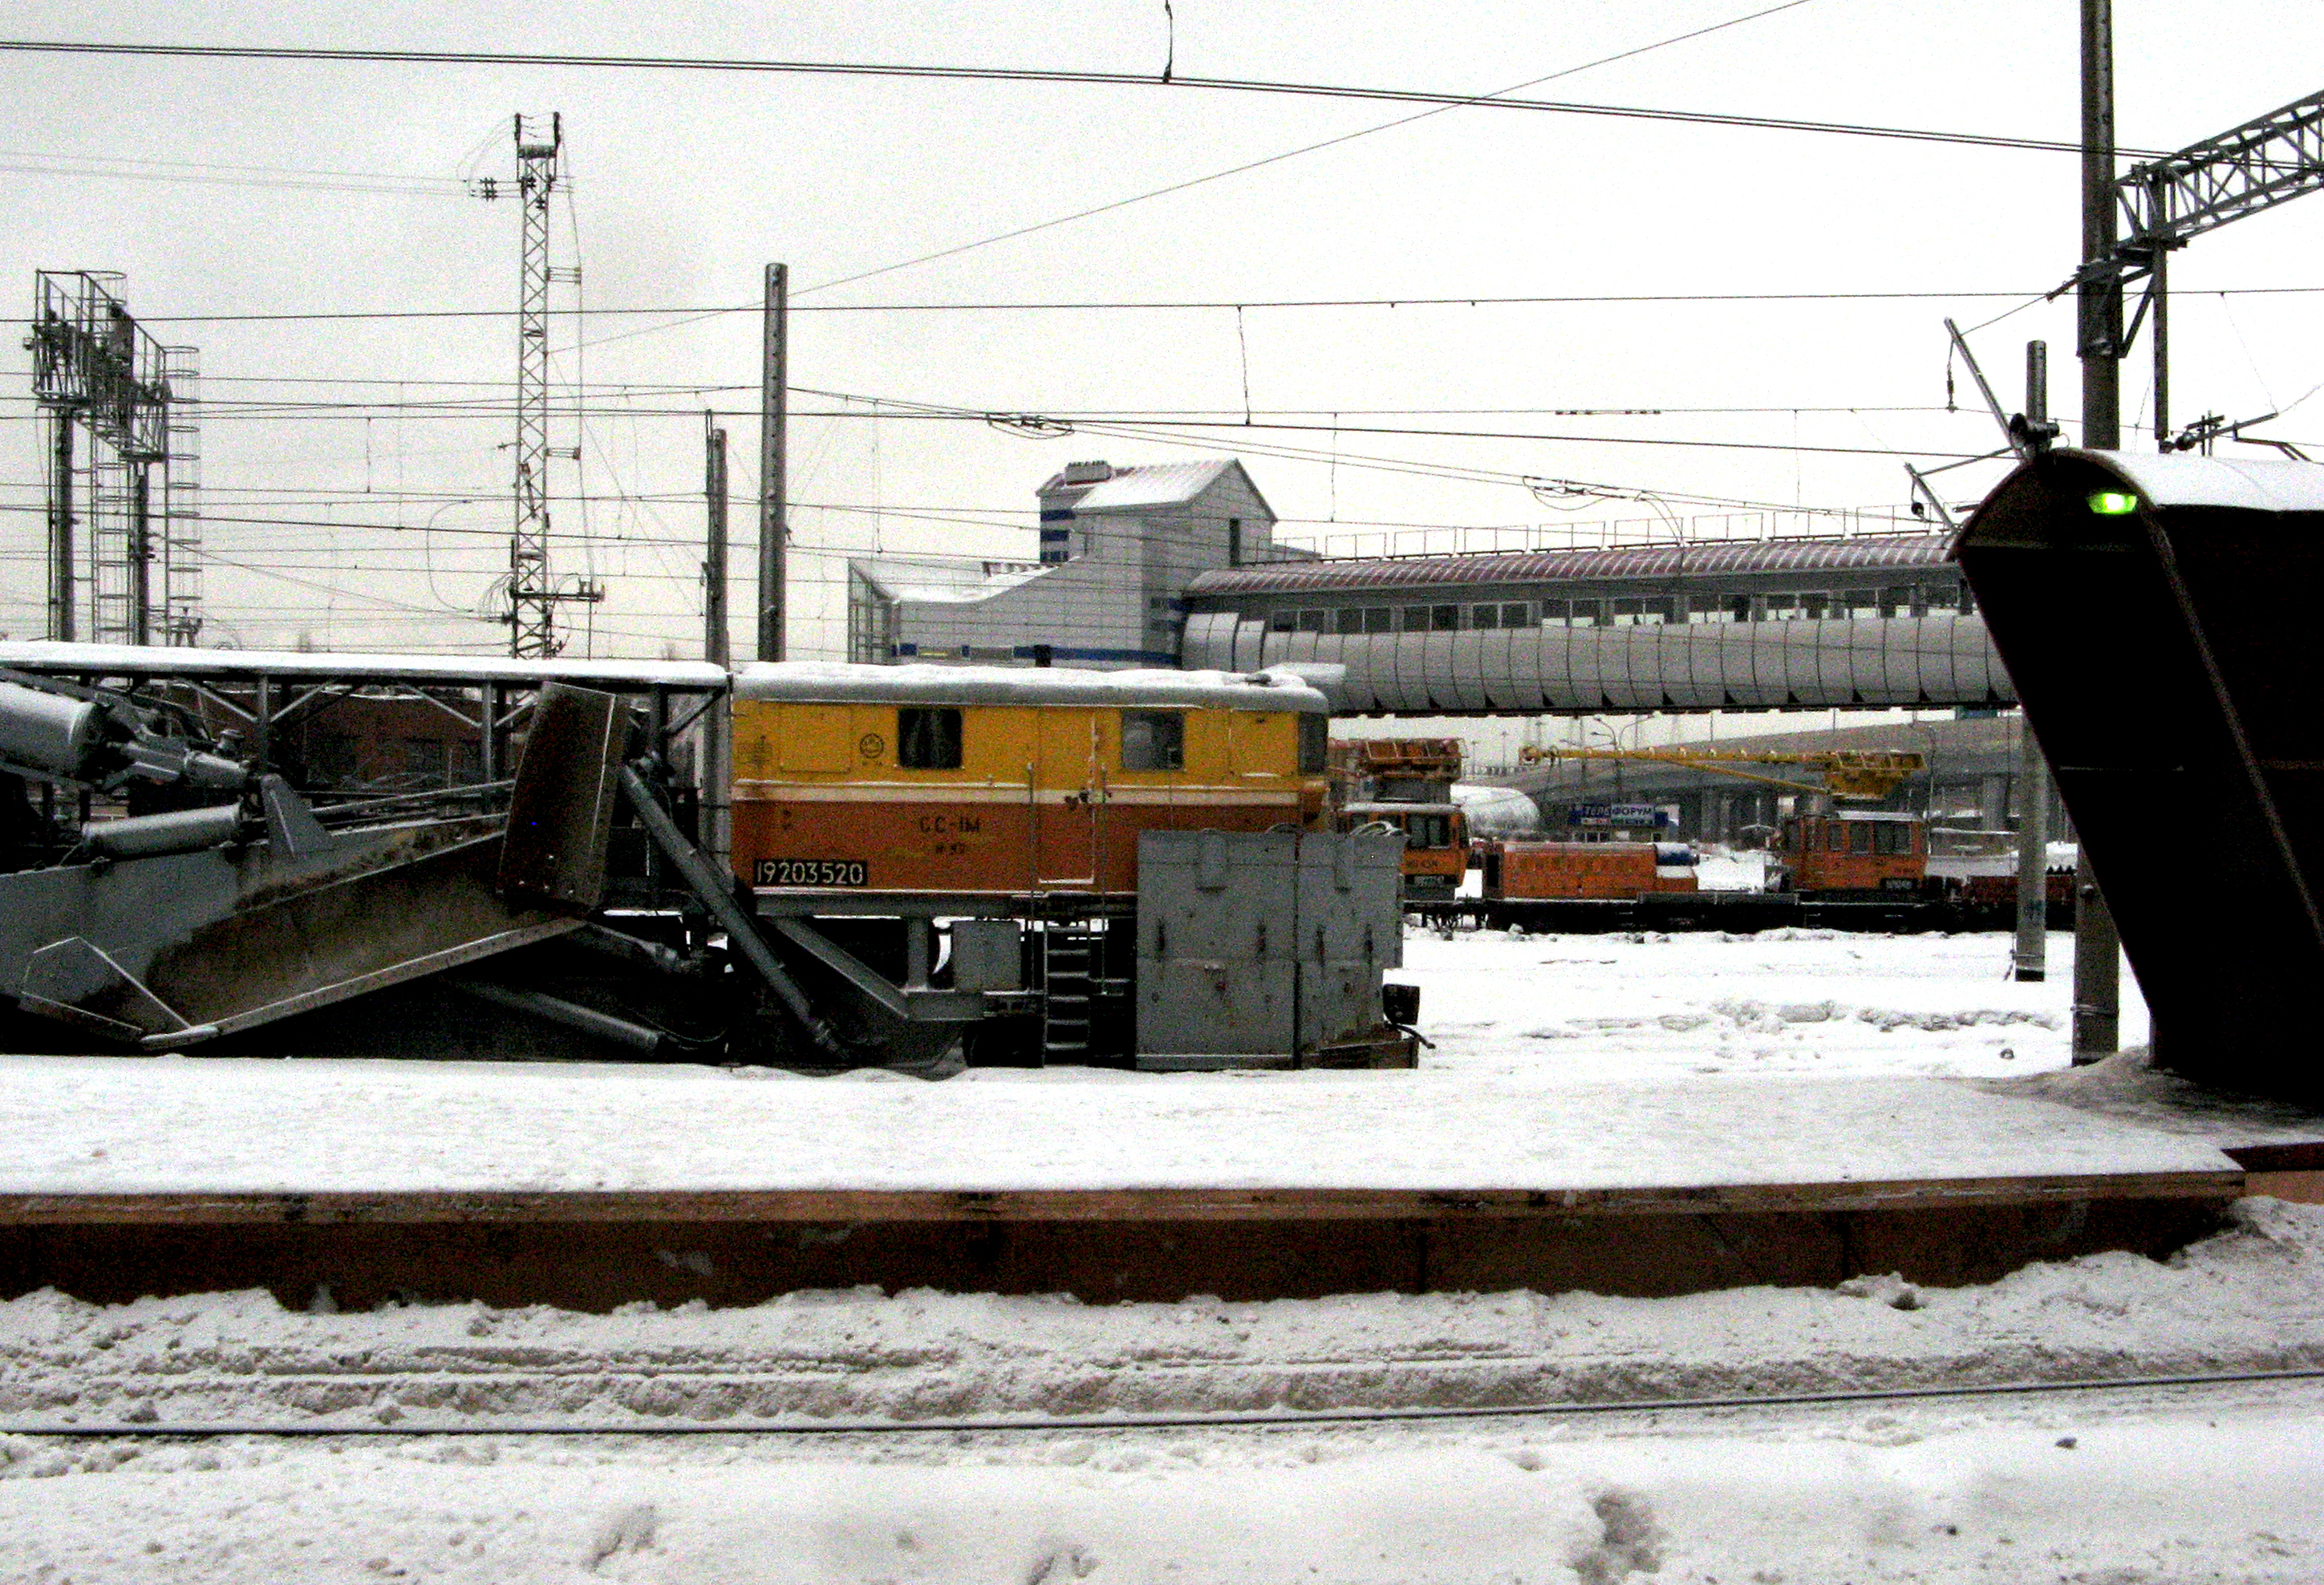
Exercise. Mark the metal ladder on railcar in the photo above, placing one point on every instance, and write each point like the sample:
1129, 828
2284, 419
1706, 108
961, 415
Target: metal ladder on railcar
1070, 964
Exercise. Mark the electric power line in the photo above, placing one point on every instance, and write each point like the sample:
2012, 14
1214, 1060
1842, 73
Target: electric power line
1049, 76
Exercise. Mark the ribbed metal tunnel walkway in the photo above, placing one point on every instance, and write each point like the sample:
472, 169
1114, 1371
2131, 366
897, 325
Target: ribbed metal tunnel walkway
1899, 662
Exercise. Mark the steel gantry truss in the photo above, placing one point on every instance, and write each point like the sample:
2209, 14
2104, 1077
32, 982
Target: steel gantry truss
2163, 203
95, 368
2202, 187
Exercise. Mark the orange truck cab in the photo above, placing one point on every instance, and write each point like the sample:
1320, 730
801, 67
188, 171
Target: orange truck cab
1435, 842
1872, 853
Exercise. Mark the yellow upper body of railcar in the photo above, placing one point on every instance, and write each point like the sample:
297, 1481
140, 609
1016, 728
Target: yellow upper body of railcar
981, 779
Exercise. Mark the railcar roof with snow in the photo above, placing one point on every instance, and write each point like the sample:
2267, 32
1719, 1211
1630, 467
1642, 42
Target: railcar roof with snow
834, 682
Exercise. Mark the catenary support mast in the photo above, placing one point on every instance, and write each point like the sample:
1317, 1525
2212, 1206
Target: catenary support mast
2097, 990
774, 377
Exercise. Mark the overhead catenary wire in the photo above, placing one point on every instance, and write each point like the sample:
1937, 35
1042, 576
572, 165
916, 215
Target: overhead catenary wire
1246, 166
1180, 305
1059, 76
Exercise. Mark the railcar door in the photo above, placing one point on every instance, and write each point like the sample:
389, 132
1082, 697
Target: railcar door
1068, 795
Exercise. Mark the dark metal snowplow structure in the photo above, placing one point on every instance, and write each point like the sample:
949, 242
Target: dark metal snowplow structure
166, 930
2158, 615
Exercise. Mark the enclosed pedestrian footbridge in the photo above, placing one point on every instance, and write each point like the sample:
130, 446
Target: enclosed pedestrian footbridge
1870, 621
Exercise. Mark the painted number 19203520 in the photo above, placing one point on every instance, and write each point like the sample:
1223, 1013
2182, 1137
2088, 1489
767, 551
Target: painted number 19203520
812, 872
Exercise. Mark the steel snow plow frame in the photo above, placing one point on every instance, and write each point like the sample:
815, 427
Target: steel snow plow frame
2157, 616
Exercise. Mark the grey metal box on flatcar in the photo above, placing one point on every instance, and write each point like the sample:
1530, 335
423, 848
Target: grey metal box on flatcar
988, 954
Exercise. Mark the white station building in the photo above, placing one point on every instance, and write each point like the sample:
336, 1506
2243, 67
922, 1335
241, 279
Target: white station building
1119, 548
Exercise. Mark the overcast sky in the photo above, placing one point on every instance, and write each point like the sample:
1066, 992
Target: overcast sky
684, 184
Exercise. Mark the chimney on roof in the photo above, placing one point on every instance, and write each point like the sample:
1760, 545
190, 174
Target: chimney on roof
1087, 473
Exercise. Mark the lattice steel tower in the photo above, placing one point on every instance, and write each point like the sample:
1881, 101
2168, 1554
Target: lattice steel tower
532, 592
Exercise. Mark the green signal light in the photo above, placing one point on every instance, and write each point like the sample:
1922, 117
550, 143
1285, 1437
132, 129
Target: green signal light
2114, 503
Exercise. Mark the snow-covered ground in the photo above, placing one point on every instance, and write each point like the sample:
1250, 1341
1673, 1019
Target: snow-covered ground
1788, 1001
2149, 1484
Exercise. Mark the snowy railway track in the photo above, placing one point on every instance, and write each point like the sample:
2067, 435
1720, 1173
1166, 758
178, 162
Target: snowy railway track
1213, 1420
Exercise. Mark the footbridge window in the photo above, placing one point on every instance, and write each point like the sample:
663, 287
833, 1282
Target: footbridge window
1573, 612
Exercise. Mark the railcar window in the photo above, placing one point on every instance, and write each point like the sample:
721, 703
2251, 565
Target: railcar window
1314, 744
1893, 839
928, 739
1153, 740
1859, 837
1835, 837
1427, 830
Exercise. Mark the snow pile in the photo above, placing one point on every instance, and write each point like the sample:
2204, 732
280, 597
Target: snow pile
1795, 1002
2250, 1298
225, 1125
1938, 1490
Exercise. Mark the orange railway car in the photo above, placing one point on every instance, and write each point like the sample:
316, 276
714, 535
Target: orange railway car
1590, 870
965, 781
1868, 851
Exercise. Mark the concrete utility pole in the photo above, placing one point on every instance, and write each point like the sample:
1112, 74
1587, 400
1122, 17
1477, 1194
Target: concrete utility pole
713, 558
60, 528
2031, 959
717, 729
2097, 990
774, 379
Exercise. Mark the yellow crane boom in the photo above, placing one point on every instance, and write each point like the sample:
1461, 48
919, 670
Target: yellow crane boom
1867, 775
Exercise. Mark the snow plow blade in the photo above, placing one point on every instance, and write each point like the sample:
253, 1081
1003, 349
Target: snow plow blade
176, 949
2154, 614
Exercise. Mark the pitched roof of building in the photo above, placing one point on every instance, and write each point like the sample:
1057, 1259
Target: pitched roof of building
1166, 483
